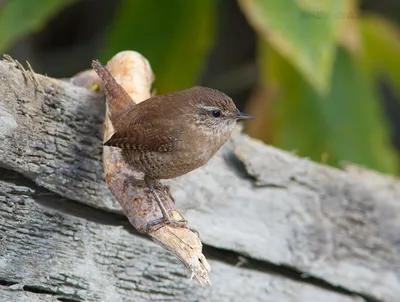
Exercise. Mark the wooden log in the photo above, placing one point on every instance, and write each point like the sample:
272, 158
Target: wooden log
57, 250
339, 226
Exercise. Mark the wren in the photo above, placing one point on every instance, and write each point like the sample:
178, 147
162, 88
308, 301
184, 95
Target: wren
169, 135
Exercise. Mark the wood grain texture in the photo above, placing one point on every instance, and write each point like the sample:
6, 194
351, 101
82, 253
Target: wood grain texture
100, 258
54, 138
340, 226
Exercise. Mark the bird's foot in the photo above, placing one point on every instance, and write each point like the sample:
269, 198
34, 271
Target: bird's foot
182, 223
157, 184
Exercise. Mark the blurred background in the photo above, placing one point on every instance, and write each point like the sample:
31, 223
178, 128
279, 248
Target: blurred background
322, 76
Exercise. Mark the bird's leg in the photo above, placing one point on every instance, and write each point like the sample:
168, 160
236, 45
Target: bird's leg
166, 218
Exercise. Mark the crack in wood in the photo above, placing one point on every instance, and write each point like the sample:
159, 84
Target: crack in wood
37, 289
5, 282
233, 258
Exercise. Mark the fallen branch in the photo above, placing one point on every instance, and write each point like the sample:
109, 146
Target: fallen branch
134, 74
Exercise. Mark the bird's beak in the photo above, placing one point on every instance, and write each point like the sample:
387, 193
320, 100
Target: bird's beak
241, 116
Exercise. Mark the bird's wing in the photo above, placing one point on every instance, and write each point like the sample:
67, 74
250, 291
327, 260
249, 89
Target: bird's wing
148, 132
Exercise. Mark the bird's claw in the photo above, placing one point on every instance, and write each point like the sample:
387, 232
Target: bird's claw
182, 223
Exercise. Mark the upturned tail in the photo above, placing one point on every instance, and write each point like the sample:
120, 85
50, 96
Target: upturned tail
118, 100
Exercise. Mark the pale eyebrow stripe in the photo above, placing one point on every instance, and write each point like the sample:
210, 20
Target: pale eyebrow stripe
208, 107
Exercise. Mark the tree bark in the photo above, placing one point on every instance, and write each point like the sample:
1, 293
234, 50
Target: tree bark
275, 227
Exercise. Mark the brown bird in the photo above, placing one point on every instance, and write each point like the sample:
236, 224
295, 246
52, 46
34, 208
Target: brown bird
169, 135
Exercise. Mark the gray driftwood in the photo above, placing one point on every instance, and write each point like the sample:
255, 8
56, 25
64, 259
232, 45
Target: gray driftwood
275, 227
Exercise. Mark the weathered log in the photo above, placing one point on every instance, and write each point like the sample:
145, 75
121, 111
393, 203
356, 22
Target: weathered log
62, 250
339, 227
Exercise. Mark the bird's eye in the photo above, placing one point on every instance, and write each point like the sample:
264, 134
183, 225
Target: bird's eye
216, 113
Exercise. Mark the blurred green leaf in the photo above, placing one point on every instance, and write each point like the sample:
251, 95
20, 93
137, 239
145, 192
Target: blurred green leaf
381, 41
304, 31
175, 36
346, 124
21, 17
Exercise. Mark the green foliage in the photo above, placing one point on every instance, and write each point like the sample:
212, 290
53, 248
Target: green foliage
381, 54
20, 17
175, 36
304, 31
301, 55
345, 125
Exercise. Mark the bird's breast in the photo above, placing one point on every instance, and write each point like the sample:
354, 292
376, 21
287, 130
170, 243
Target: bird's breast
192, 151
